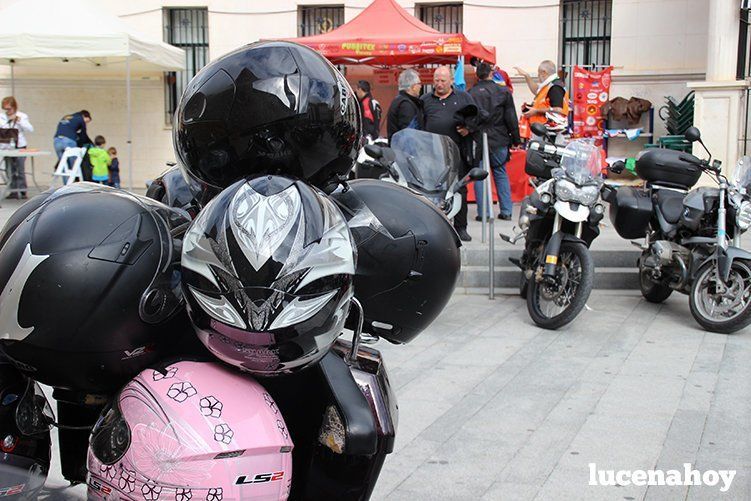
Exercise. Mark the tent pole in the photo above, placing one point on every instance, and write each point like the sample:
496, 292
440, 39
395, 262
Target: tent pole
12, 78
130, 124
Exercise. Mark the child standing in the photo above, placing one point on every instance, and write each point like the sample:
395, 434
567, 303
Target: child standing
114, 168
100, 161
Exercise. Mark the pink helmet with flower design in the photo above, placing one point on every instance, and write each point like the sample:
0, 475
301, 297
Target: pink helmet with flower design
191, 431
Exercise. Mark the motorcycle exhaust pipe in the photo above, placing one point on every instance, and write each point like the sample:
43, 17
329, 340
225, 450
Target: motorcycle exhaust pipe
683, 278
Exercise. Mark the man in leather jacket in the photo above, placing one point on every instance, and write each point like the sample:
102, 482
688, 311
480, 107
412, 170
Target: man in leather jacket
502, 127
406, 108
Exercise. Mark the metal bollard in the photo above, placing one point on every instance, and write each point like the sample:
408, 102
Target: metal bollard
489, 201
486, 167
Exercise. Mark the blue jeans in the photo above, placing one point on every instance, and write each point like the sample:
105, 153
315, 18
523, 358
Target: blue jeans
61, 143
498, 160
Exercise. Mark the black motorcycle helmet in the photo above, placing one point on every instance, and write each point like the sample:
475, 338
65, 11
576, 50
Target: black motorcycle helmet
407, 257
268, 107
88, 283
267, 271
25, 443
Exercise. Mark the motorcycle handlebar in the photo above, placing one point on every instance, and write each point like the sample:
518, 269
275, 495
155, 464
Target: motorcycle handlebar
547, 149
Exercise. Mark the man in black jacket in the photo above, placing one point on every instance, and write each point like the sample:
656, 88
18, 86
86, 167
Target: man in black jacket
406, 108
502, 127
439, 111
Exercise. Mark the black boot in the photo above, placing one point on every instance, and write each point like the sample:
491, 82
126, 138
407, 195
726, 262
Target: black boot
463, 235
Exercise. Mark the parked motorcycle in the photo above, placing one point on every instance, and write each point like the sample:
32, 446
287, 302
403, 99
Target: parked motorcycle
559, 221
426, 163
692, 238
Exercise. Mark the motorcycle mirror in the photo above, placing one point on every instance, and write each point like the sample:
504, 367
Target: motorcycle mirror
693, 134
477, 174
539, 129
373, 150
388, 155
617, 167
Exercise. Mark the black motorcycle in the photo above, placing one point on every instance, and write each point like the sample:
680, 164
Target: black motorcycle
692, 238
559, 221
427, 163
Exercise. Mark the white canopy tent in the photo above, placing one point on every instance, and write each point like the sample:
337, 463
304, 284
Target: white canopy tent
76, 35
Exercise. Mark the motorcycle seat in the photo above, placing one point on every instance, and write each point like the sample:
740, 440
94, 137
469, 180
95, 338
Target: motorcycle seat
671, 204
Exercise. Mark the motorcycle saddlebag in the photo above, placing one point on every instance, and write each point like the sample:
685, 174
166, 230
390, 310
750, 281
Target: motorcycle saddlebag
668, 168
630, 212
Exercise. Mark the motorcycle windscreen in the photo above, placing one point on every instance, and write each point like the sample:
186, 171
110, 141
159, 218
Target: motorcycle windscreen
429, 162
582, 162
742, 175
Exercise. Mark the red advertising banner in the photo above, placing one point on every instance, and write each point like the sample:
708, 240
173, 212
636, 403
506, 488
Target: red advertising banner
591, 91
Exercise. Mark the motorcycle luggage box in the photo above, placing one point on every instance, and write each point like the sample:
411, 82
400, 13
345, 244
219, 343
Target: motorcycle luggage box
630, 212
667, 168
538, 166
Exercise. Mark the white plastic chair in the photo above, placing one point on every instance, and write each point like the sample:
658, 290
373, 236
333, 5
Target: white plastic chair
64, 171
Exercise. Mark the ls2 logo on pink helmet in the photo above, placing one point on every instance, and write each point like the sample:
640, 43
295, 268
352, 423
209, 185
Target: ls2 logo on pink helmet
260, 478
12, 491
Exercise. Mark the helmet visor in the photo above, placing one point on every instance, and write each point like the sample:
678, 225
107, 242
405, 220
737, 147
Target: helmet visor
34, 414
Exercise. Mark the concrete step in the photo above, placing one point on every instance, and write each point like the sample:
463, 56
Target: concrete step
608, 277
478, 256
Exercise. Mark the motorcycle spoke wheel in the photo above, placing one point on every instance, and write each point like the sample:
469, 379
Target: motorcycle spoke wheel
552, 305
722, 307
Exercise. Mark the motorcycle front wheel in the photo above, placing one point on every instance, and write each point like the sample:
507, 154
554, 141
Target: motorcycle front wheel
723, 308
554, 304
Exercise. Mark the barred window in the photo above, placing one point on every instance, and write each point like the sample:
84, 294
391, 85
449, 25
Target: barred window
744, 42
585, 33
446, 17
314, 19
187, 29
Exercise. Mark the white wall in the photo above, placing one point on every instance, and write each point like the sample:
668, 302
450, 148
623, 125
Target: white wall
657, 45
47, 100
659, 36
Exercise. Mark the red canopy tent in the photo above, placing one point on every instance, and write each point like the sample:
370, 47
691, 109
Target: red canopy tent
384, 34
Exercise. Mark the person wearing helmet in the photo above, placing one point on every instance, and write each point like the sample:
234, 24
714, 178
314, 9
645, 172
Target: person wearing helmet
551, 102
267, 271
268, 108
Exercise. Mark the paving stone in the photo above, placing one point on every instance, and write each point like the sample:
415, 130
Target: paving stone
492, 407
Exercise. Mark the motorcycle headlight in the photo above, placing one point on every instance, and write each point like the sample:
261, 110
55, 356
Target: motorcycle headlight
567, 191
743, 216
